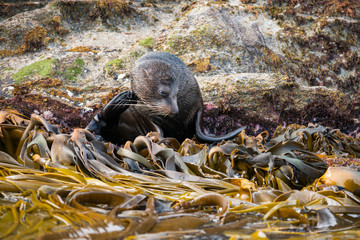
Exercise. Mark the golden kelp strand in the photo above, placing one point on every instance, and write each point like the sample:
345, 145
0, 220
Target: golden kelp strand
14, 219
54, 192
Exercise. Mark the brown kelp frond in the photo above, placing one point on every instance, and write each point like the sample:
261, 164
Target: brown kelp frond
56, 186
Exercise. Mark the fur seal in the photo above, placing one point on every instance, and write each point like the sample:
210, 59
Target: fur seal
164, 97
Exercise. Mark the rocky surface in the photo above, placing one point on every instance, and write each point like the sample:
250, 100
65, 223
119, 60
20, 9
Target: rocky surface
259, 63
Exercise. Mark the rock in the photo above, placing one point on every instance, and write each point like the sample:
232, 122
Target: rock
263, 101
10, 8
259, 63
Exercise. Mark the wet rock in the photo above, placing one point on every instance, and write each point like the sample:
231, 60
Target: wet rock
9, 8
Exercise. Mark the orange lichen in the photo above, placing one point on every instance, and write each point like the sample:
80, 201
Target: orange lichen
34, 39
349, 8
6, 52
45, 82
64, 94
81, 49
51, 86
56, 20
202, 65
253, 9
55, 26
112, 94
271, 58
108, 8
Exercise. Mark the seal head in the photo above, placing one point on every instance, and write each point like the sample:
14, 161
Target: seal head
156, 87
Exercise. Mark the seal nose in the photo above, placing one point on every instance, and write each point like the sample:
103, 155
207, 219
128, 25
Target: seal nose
174, 108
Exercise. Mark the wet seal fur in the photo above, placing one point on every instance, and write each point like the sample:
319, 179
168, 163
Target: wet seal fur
164, 97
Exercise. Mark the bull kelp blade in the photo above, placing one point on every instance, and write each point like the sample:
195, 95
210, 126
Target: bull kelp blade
179, 223
61, 151
126, 153
307, 169
9, 145
75, 176
345, 177
6, 158
213, 187
13, 117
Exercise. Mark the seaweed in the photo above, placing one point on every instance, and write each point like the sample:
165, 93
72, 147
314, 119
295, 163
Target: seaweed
156, 187
319, 36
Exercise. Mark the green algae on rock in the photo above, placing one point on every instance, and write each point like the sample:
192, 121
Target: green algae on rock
114, 64
74, 70
47, 68
43, 68
147, 42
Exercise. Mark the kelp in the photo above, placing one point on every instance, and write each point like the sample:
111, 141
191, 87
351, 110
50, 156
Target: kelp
73, 186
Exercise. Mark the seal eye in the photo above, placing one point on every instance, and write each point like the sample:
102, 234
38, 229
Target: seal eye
163, 93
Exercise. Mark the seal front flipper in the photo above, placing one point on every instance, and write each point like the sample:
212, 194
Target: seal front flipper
119, 121
110, 114
205, 138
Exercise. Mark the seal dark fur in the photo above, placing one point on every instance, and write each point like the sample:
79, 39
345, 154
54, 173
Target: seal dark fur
164, 97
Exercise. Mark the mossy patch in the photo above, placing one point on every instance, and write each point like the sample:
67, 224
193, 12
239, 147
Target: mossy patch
147, 42
136, 54
114, 64
43, 68
174, 41
73, 71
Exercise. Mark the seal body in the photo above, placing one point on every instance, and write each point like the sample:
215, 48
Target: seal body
164, 97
